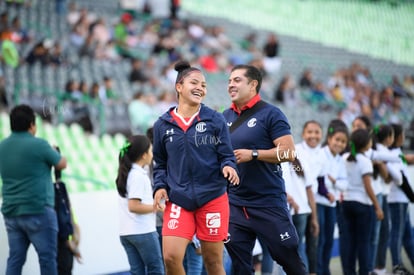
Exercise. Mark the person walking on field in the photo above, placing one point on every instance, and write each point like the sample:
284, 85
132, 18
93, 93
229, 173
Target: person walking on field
261, 138
194, 163
28, 193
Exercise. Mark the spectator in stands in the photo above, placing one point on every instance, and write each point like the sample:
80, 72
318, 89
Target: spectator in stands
215, 39
4, 21
39, 53
306, 79
249, 42
94, 93
123, 32
56, 55
286, 92
395, 113
106, 92
20, 35
88, 47
141, 113
271, 58
72, 92
408, 85
137, 73
100, 32
174, 8
28, 194
319, 96
108, 52
165, 101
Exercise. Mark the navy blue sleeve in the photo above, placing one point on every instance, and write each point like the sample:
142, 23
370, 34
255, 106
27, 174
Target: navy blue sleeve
224, 148
160, 158
279, 124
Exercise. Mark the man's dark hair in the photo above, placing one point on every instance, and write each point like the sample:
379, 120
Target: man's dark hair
21, 118
252, 73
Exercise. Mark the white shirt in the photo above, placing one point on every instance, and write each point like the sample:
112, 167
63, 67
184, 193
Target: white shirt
387, 156
335, 167
311, 160
355, 172
296, 187
138, 187
396, 195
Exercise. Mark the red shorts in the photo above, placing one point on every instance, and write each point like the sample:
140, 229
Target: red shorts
209, 222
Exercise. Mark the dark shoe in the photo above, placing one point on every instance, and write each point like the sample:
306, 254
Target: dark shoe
400, 270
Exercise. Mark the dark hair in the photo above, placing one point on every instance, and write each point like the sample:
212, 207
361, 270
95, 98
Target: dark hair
252, 73
365, 120
334, 126
311, 122
381, 132
398, 131
183, 68
134, 148
22, 117
150, 134
359, 140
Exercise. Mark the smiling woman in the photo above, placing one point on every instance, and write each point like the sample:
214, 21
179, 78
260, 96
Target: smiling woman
187, 139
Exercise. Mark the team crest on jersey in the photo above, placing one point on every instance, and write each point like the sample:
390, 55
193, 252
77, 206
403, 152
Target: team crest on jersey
173, 224
252, 122
201, 127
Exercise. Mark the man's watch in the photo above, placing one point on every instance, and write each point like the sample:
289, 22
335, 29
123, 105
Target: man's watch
255, 154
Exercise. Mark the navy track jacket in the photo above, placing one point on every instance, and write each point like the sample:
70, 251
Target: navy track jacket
189, 164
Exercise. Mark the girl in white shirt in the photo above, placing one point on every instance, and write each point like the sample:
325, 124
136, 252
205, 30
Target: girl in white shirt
308, 152
332, 181
357, 204
138, 232
398, 202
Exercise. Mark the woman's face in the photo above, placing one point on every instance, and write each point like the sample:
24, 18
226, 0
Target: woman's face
312, 134
192, 89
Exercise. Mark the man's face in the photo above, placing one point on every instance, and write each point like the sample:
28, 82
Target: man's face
240, 88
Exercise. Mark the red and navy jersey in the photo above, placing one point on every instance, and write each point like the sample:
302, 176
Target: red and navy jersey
189, 162
261, 183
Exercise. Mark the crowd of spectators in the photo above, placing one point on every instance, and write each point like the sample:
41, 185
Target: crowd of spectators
151, 45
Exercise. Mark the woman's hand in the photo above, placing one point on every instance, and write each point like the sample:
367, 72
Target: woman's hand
160, 198
231, 175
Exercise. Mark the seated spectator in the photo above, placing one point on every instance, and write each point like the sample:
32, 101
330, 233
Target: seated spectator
306, 79
56, 56
137, 72
249, 42
94, 93
39, 53
408, 85
19, 34
88, 47
286, 92
271, 59
124, 34
319, 96
108, 52
141, 113
100, 32
106, 92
